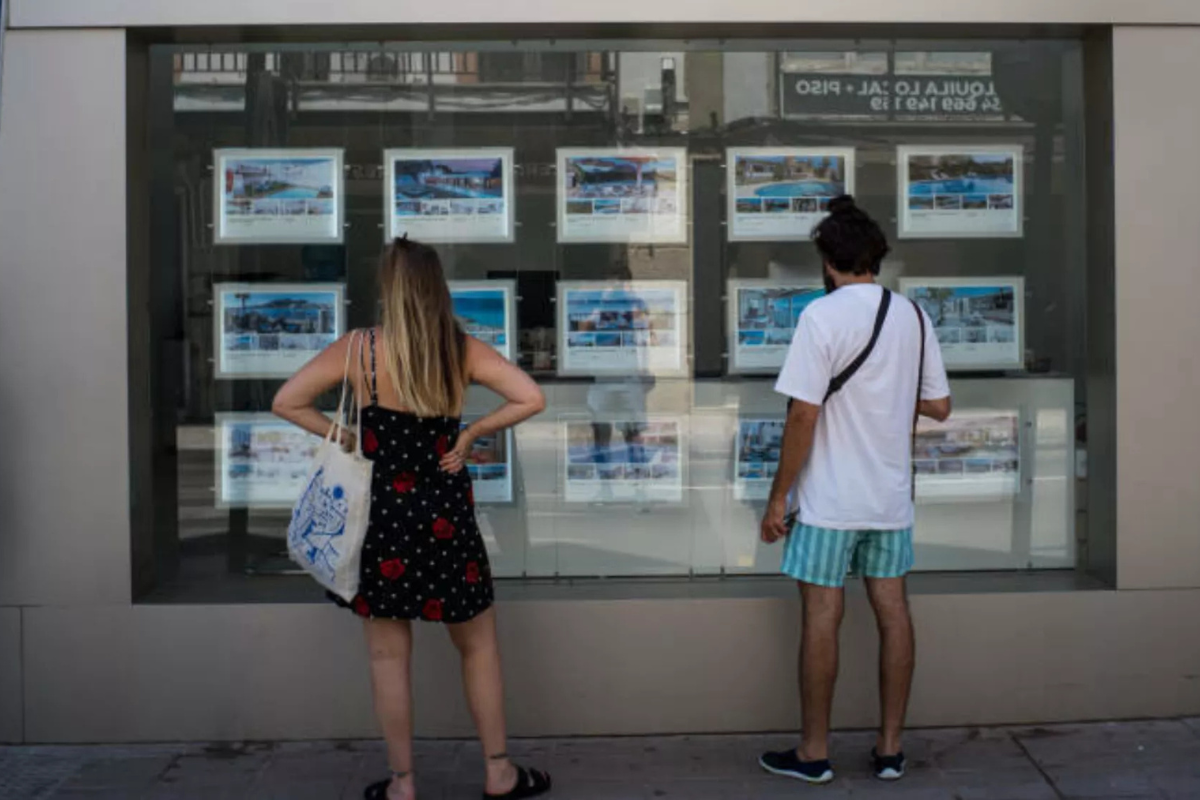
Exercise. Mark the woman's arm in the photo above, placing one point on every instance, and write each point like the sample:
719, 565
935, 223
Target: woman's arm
296, 400
523, 398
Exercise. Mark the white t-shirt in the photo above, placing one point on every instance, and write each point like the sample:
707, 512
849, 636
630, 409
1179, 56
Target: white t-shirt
858, 474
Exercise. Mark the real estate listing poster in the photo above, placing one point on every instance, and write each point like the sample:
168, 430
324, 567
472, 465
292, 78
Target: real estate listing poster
756, 457
979, 321
622, 328
449, 195
270, 330
261, 461
490, 467
974, 455
284, 196
485, 310
762, 320
960, 192
780, 193
623, 195
623, 460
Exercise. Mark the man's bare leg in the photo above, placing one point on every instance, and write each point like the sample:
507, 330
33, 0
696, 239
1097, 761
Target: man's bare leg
822, 619
897, 657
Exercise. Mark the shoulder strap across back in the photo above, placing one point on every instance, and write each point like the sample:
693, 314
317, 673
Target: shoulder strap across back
845, 375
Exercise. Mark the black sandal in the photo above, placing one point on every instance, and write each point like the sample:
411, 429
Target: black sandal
530, 783
378, 791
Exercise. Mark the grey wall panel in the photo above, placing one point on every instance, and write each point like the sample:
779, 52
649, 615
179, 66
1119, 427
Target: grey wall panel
604, 667
12, 720
130, 13
1157, 283
64, 501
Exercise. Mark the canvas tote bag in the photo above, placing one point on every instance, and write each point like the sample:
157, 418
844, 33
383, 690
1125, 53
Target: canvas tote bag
329, 521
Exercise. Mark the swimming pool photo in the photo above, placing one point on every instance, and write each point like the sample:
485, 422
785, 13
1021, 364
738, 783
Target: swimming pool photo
789, 176
448, 178
961, 174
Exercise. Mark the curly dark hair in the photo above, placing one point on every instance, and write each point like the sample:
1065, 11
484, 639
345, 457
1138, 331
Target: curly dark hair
849, 240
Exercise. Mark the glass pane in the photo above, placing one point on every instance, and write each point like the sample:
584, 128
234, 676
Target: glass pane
631, 227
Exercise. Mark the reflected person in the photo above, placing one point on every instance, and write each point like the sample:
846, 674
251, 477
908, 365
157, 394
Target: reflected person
620, 401
412, 375
846, 463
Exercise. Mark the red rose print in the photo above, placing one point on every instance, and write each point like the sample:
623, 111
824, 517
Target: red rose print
370, 443
472, 572
361, 608
404, 482
442, 446
443, 528
392, 569
432, 610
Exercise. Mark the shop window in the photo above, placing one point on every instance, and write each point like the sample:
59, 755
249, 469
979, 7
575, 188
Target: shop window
632, 228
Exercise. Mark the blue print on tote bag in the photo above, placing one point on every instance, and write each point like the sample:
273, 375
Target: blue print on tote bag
319, 523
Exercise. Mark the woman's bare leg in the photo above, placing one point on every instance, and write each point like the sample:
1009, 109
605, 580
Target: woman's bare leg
484, 686
389, 642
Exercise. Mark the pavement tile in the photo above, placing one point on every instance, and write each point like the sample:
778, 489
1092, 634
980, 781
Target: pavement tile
1148, 742
34, 774
123, 773
1159, 759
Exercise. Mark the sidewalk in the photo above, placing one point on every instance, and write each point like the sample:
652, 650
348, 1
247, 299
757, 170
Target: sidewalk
1159, 759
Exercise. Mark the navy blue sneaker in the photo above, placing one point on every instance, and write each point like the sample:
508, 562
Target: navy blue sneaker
888, 768
788, 764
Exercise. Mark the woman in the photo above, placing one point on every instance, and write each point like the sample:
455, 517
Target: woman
423, 557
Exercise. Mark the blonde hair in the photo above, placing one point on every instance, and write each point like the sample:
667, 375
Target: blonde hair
424, 348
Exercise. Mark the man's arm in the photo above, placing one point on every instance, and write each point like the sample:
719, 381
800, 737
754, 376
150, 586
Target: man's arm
938, 410
798, 433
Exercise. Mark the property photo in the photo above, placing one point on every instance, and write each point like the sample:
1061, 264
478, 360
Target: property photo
269, 330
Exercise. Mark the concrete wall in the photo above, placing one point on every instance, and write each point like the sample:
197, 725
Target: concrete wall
604, 667
79, 663
64, 488
1158, 327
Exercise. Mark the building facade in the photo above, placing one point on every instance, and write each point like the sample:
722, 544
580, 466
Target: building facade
622, 198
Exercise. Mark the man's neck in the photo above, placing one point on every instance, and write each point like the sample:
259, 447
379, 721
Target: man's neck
854, 280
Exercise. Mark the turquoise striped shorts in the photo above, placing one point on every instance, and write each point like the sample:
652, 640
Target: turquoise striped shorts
823, 556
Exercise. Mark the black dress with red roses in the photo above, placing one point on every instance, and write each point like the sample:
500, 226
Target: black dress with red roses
423, 556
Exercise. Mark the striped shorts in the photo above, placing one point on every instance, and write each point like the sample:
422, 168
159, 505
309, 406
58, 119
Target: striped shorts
823, 556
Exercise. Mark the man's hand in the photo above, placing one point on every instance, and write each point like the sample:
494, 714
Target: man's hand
774, 526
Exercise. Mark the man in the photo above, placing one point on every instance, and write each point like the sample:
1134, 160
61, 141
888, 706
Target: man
842, 496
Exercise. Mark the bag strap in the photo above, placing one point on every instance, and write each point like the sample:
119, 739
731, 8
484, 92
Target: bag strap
920, 380
344, 415
371, 383
845, 375
374, 382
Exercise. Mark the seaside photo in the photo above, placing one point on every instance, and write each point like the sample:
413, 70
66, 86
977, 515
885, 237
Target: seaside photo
261, 461
277, 196
615, 195
485, 311
490, 466
270, 330
756, 457
978, 321
445, 196
626, 460
782, 193
630, 328
972, 454
762, 320
960, 192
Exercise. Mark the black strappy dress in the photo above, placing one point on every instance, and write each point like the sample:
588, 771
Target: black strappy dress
423, 556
